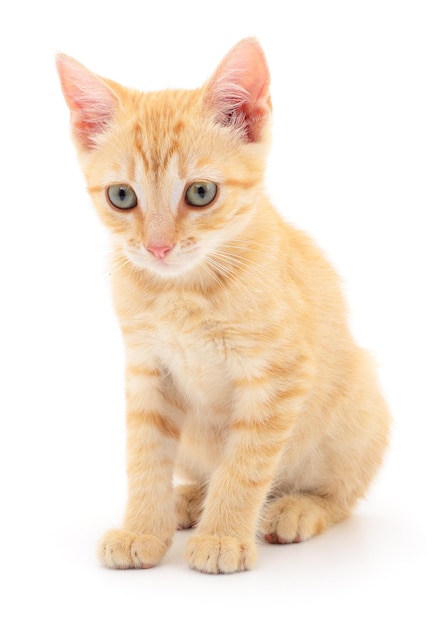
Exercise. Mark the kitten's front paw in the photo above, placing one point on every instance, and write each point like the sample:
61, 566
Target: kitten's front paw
220, 555
120, 549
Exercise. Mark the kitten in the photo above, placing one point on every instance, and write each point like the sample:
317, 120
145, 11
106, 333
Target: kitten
242, 378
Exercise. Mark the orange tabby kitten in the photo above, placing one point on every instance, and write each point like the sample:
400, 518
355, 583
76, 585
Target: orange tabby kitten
242, 378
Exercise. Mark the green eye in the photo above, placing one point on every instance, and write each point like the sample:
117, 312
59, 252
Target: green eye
200, 194
122, 196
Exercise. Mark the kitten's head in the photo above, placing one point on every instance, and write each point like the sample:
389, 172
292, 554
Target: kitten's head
176, 174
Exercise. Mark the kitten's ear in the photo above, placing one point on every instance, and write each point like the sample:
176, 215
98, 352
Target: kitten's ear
238, 92
91, 101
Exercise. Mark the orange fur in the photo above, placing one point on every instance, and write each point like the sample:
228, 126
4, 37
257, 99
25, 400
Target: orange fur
242, 378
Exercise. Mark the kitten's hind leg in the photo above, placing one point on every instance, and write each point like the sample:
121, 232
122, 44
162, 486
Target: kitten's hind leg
189, 503
296, 517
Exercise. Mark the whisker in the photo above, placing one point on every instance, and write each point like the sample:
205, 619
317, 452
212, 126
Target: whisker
236, 281
205, 266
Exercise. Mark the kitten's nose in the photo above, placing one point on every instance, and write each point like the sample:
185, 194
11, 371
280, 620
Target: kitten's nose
160, 251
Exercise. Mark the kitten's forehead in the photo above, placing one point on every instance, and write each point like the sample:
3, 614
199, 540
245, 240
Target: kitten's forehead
160, 130
169, 151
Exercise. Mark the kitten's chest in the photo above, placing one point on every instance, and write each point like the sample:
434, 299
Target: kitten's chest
196, 354
188, 341
201, 348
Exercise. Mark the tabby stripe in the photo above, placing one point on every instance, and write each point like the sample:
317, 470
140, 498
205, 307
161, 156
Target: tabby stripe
152, 418
96, 189
141, 370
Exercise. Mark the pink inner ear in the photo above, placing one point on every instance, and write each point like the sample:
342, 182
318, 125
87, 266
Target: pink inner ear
92, 103
239, 90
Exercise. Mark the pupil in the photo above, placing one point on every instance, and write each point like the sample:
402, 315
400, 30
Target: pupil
201, 191
122, 193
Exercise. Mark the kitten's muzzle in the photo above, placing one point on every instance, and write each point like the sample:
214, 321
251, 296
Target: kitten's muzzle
160, 251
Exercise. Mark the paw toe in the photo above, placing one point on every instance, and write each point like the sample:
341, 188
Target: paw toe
121, 549
220, 555
292, 519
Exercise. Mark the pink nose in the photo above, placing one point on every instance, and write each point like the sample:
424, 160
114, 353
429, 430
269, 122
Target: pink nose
159, 251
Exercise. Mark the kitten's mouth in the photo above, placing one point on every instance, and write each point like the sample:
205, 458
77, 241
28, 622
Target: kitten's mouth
166, 266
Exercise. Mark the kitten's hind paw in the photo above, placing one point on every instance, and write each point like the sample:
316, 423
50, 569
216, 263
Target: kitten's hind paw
120, 549
297, 517
220, 555
189, 501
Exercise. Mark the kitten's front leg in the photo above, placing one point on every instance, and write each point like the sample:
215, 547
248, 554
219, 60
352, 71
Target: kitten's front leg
149, 522
225, 538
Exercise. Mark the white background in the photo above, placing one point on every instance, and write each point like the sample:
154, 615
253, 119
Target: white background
353, 162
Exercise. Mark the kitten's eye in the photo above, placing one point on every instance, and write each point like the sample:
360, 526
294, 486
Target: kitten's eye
122, 196
200, 194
